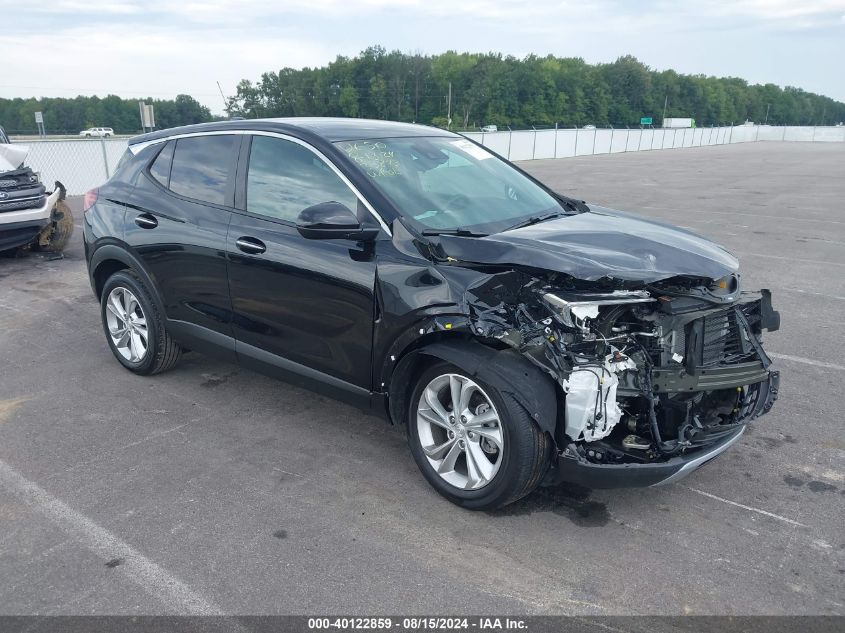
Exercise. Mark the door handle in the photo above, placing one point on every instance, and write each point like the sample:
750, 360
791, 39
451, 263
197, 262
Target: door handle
146, 221
250, 245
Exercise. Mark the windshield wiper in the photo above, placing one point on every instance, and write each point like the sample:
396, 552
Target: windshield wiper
456, 231
536, 219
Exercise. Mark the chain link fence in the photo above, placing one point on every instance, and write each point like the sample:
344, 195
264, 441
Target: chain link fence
79, 165
82, 164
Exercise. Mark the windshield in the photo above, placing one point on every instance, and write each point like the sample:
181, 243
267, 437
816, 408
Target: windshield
448, 183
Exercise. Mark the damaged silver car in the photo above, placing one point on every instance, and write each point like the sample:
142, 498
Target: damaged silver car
521, 337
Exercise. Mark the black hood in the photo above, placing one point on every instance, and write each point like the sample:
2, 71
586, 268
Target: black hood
602, 243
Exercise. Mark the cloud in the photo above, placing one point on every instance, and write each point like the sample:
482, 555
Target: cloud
161, 47
152, 62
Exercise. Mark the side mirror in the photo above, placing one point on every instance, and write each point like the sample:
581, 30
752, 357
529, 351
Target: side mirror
332, 221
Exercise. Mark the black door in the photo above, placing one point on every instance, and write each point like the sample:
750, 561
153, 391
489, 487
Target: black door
302, 306
180, 211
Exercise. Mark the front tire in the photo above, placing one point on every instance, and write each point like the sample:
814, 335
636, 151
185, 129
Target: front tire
476, 446
134, 327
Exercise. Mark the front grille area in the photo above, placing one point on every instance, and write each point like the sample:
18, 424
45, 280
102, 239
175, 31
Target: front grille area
19, 204
721, 338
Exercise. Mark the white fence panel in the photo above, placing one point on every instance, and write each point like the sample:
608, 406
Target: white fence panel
584, 142
829, 134
770, 133
632, 140
498, 142
83, 164
545, 144
742, 133
798, 134
522, 145
603, 141
698, 137
566, 143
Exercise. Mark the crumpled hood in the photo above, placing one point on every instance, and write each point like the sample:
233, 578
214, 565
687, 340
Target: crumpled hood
12, 156
598, 244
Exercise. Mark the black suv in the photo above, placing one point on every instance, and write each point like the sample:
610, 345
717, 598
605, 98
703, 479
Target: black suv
519, 335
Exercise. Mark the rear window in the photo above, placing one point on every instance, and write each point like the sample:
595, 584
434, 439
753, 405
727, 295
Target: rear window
201, 167
160, 169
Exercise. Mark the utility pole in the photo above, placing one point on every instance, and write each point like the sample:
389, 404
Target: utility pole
222, 96
768, 105
665, 103
449, 107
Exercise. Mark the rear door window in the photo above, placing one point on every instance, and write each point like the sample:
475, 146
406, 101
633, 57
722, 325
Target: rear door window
201, 167
160, 169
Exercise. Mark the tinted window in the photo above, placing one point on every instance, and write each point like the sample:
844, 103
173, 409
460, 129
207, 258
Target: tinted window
201, 167
160, 169
284, 178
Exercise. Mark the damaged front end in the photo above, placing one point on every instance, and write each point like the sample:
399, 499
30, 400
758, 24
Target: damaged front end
30, 216
655, 378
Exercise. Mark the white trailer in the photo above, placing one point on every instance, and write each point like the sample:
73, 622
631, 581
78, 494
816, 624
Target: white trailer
676, 122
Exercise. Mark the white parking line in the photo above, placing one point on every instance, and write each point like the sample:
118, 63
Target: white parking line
806, 361
792, 259
745, 507
780, 217
151, 577
810, 292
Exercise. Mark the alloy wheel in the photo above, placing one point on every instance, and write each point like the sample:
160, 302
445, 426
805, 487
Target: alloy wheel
460, 431
127, 324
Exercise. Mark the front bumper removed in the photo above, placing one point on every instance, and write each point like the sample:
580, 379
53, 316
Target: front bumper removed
574, 468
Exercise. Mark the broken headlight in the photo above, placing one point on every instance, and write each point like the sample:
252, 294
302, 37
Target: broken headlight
577, 309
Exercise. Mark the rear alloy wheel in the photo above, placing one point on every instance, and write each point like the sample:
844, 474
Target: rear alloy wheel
127, 324
134, 328
475, 445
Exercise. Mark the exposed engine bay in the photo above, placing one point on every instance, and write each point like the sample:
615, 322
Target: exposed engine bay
648, 373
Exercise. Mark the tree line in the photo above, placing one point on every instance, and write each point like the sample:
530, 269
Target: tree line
471, 89
492, 89
69, 116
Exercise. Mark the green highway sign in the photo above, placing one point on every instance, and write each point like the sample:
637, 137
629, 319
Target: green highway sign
646, 120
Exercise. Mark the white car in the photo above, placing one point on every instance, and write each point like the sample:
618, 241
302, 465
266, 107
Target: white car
30, 216
589, 127
489, 128
97, 131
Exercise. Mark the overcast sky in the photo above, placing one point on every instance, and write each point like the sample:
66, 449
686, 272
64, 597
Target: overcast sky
160, 48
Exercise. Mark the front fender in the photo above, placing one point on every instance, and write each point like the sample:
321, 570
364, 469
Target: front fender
507, 370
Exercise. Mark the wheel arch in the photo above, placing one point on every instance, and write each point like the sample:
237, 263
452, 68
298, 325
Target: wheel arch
505, 369
109, 259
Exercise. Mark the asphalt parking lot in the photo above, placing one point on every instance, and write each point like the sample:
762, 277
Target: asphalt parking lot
211, 489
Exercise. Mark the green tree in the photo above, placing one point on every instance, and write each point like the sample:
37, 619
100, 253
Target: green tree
486, 88
348, 101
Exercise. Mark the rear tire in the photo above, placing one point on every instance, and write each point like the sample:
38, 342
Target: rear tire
134, 327
488, 426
